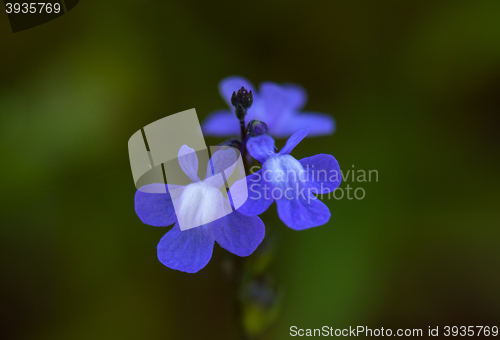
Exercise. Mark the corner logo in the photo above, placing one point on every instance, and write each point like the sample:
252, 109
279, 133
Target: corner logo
26, 14
164, 157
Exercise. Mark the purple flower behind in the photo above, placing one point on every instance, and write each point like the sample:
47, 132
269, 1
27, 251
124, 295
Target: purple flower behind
190, 250
277, 105
291, 183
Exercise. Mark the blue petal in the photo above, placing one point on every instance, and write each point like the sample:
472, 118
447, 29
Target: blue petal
222, 161
295, 139
153, 205
303, 213
239, 234
261, 147
297, 95
276, 103
258, 199
221, 123
323, 173
318, 124
188, 160
232, 84
188, 251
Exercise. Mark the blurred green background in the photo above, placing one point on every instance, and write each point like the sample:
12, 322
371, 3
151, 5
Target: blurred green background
413, 85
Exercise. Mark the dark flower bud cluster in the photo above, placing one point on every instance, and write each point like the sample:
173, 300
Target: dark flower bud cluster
256, 128
241, 100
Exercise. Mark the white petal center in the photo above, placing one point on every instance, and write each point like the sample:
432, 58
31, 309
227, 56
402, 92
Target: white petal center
284, 171
198, 204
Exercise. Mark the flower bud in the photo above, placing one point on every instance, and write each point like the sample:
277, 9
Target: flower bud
243, 98
240, 112
246, 98
256, 128
234, 99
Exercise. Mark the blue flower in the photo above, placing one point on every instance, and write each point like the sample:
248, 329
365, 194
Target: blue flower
190, 250
291, 183
278, 105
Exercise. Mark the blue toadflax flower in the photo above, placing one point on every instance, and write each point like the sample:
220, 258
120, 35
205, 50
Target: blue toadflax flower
291, 183
190, 250
278, 105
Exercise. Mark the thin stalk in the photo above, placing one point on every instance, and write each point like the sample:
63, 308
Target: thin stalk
244, 146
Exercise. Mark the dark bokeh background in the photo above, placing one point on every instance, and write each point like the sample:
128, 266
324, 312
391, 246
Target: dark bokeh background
413, 85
